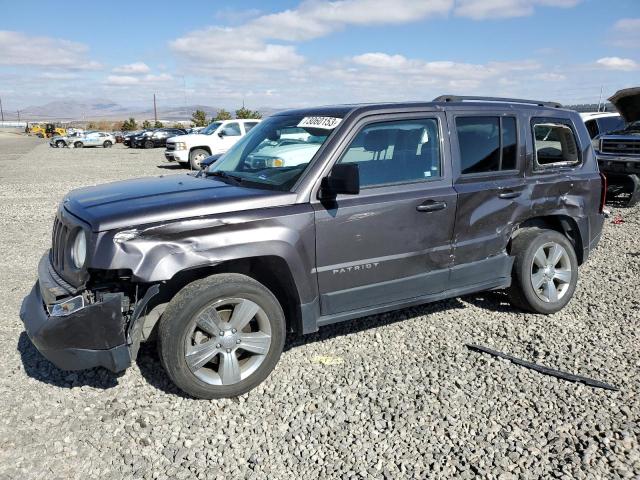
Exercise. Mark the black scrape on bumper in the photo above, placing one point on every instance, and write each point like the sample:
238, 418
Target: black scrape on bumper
93, 336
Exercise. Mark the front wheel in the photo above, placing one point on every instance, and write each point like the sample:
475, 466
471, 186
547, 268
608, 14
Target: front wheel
545, 271
196, 156
148, 144
60, 144
221, 336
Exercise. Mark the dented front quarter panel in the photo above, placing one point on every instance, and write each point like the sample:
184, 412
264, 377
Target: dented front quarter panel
156, 252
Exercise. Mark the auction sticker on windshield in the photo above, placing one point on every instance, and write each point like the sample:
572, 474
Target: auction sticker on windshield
327, 123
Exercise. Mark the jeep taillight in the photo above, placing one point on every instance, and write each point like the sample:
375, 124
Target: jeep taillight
603, 191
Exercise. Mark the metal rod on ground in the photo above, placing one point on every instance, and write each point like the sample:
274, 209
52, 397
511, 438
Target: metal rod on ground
546, 370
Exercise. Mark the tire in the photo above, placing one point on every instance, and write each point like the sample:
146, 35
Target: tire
187, 324
107, 144
535, 251
78, 144
196, 156
60, 144
148, 144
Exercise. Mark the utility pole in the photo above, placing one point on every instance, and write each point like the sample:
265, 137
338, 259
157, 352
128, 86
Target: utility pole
600, 99
18, 115
155, 111
1, 111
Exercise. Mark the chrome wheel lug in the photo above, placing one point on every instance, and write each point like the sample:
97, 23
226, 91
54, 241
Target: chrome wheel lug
228, 350
233, 330
238, 341
218, 345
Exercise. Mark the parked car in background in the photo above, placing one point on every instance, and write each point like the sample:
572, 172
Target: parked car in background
402, 204
126, 138
60, 141
602, 122
618, 151
156, 138
93, 139
216, 138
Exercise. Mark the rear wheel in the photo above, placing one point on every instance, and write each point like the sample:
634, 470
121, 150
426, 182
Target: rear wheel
107, 144
78, 145
148, 144
545, 271
196, 156
221, 336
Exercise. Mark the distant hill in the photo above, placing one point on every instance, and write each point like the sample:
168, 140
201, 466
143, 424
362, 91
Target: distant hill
100, 109
592, 107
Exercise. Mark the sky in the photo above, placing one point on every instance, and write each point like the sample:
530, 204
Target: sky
291, 53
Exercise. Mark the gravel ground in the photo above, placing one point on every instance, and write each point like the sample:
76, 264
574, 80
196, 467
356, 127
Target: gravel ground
389, 396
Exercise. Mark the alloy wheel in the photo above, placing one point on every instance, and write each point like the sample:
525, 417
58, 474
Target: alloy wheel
551, 272
227, 341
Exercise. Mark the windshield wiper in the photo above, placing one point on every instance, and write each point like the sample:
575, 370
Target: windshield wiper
225, 175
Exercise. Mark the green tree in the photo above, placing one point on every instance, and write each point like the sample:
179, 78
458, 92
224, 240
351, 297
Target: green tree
178, 125
246, 113
199, 118
129, 125
146, 124
223, 115
158, 124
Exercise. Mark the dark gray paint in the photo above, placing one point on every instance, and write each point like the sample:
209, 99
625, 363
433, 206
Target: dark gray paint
181, 222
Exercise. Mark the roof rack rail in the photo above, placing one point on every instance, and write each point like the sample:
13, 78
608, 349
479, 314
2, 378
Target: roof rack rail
462, 98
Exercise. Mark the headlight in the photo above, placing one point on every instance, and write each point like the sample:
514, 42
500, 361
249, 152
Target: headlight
180, 146
595, 143
79, 249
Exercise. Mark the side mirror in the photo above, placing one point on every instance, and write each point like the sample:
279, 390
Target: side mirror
207, 162
344, 178
222, 133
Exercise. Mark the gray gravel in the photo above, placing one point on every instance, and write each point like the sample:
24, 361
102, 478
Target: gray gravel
390, 396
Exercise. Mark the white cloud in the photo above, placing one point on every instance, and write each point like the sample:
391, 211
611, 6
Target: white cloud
19, 49
491, 9
626, 33
133, 68
550, 77
617, 63
129, 80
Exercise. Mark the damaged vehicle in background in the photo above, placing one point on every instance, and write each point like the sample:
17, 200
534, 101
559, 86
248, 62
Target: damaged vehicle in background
218, 266
618, 151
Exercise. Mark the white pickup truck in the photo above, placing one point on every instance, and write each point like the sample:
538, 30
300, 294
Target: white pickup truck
216, 138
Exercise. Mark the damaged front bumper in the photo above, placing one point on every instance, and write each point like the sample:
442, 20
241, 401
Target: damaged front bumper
93, 335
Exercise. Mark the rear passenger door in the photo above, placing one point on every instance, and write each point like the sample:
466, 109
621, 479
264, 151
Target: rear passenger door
392, 241
488, 152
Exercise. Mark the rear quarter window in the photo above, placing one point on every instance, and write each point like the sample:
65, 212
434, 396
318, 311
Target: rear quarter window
555, 144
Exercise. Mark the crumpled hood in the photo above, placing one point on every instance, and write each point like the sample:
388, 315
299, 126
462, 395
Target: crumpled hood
627, 102
141, 201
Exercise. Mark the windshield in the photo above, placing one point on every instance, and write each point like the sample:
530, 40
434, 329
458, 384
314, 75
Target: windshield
274, 154
209, 129
609, 124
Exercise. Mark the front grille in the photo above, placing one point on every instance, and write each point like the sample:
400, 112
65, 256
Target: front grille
621, 147
59, 239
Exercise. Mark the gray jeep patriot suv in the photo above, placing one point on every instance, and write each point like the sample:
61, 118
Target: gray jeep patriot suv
317, 216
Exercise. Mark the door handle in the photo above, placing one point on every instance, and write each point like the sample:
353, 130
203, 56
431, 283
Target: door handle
431, 206
509, 194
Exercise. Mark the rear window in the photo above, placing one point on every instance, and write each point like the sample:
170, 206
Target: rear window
555, 144
487, 144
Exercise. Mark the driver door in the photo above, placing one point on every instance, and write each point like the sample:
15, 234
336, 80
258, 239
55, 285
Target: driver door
391, 242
